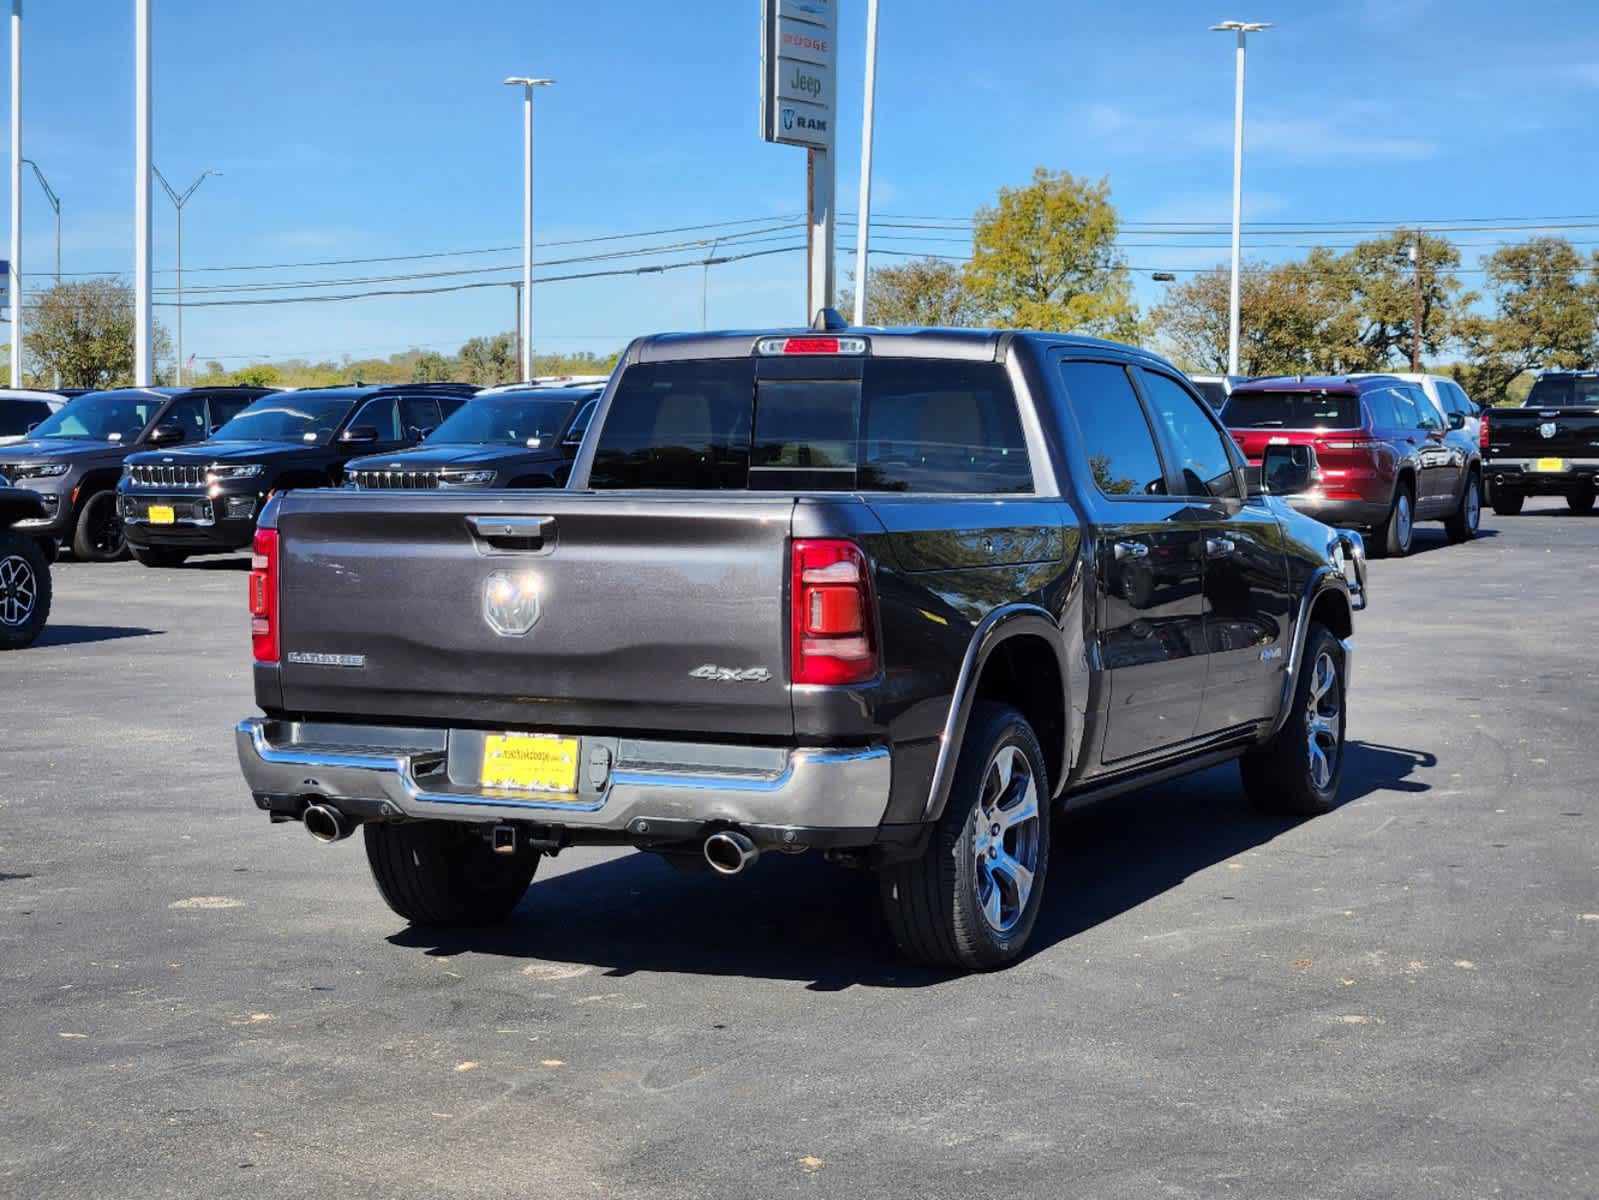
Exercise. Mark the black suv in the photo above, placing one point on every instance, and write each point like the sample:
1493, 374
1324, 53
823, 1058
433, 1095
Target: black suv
73, 459
524, 437
204, 499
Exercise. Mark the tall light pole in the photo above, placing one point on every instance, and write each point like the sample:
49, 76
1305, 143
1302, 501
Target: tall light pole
55, 203
527, 83
868, 119
16, 193
1243, 29
178, 202
143, 325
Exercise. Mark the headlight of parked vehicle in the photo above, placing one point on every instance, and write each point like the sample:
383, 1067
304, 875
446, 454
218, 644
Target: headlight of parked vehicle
221, 471
44, 470
466, 478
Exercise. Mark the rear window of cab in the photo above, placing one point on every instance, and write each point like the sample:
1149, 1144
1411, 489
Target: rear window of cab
907, 425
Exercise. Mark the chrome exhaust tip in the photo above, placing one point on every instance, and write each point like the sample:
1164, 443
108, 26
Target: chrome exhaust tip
729, 851
327, 824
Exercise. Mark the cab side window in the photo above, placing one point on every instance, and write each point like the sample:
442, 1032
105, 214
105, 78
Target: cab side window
1199, 450
419, 415
225, 408
1117, 439
188, 414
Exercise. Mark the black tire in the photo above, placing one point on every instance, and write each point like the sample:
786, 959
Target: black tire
1580, 502
935, 904
24, 590
1462, 524
1281, 776
97, 536
1506, 504
1397, 533
444, 873
159, 556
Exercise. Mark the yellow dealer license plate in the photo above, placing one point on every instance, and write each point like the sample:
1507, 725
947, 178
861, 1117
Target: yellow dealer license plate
162, 514
530, 762
1546, 465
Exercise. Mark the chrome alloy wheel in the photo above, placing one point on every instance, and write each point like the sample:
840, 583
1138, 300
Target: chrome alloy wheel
19, 590
1402, 520
1323, 722
1007, 841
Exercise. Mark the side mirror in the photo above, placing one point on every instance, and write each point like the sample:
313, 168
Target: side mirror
1456, 421
358, 435
165, 435
1289, 470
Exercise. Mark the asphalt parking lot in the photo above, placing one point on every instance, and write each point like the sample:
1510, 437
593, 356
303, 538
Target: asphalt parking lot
1398, 999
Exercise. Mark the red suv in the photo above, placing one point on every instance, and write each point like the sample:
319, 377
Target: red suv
1387, 457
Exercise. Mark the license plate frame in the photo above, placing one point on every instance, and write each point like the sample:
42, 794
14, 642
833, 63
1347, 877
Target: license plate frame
1551, 466
543, 763
161, 514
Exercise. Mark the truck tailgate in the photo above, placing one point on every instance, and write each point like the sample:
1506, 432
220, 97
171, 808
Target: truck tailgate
1538, 433
386, 599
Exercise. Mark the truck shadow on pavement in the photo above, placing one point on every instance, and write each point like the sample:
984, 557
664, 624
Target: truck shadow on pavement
800, 918
78, 635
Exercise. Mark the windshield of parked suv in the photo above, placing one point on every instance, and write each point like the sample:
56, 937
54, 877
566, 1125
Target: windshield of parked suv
103, 417
1564, 391
1291, 410
508, 419
287, 418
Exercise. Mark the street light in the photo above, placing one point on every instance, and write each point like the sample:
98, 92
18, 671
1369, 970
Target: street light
1243, 29
55, 203
527, 83
178, 202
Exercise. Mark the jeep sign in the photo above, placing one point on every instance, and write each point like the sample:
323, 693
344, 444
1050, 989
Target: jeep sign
799, 47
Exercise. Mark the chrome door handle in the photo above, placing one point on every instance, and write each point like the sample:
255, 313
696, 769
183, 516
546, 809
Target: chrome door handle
1131, 550
1219, 547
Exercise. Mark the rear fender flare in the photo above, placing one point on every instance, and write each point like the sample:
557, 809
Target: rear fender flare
995, 629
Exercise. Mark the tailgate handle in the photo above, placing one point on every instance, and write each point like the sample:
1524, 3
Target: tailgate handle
514, 535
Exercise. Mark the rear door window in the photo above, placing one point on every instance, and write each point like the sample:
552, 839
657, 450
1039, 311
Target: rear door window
225, 408
419, 415
188, 414
1117, 439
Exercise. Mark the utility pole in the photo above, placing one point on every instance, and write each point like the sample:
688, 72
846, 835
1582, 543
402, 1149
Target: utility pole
527, 83
16, 193
178, 202
1243, 29
144, 327
705, 286
1415, 333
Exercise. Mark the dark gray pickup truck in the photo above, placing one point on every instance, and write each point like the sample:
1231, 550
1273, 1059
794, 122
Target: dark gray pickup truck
891, 596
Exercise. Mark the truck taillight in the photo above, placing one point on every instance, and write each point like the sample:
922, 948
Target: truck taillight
264, 596
1482, 433
834, 628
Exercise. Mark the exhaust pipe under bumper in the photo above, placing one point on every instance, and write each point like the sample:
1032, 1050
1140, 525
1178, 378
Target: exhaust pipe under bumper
729, 851
326, 823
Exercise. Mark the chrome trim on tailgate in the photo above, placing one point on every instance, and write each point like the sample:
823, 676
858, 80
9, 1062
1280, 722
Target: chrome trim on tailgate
820, 788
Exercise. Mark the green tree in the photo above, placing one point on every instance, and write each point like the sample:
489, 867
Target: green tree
923, 291
489, 360
430, 367
1044, 257
1381, 285
85, 331
1543, 315
257, 375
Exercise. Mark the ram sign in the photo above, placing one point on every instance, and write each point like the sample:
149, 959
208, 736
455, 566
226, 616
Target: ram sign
799, 51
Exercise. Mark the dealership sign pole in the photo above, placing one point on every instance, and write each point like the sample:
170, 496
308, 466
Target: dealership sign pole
799, 102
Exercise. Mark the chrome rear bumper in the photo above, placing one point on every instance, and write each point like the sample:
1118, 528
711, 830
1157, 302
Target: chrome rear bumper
404, 772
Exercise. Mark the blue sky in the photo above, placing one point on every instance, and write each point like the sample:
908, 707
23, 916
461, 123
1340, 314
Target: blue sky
365, 128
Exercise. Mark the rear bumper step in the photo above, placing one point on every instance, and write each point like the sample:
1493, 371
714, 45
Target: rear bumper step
639, 795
